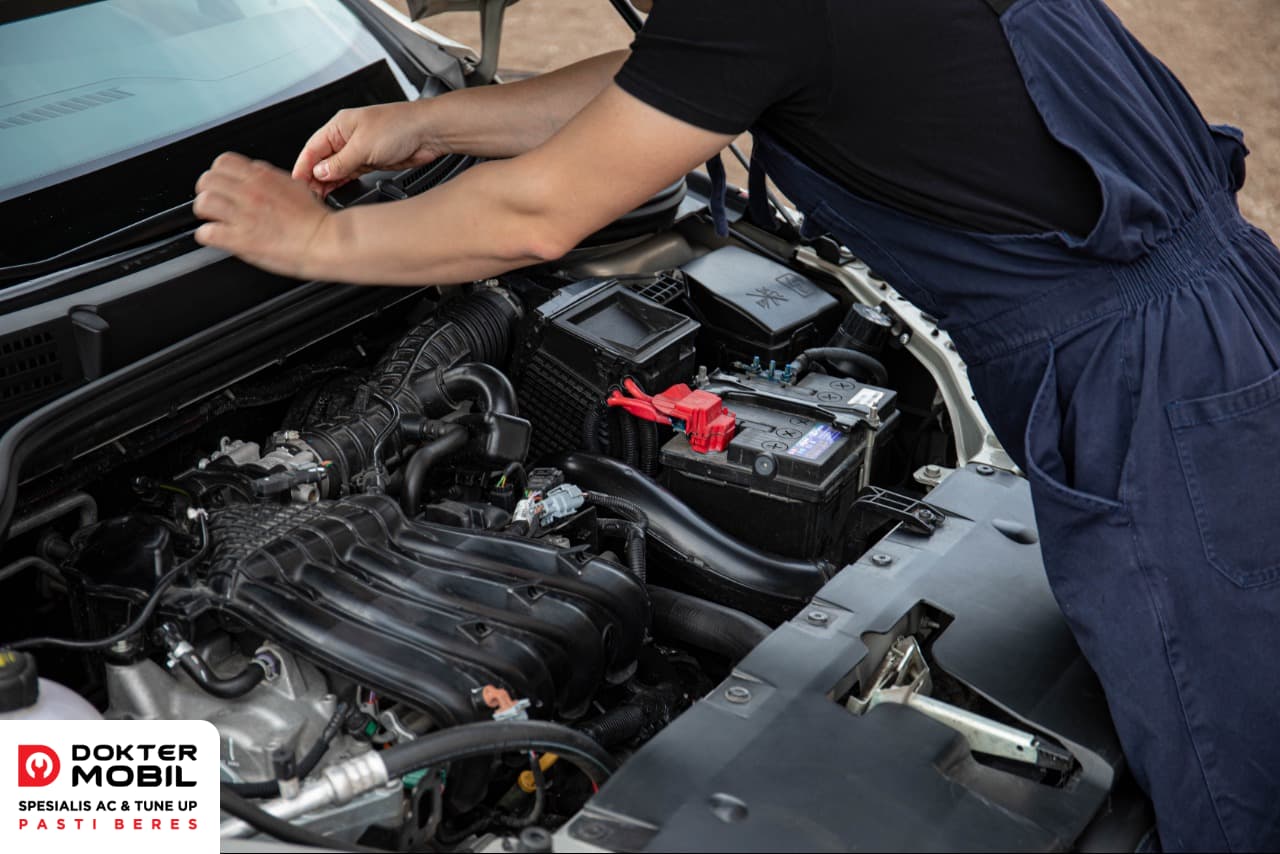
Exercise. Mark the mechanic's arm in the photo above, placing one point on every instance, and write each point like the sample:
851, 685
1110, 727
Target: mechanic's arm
497, 216
487, 121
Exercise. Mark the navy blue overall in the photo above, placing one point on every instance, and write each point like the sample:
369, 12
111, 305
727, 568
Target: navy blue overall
1134, 374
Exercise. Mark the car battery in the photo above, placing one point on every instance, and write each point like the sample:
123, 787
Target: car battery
788, 479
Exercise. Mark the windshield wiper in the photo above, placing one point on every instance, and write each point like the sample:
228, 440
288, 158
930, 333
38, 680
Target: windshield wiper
167, 223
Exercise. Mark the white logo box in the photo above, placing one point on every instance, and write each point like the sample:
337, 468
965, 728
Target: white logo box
108, 786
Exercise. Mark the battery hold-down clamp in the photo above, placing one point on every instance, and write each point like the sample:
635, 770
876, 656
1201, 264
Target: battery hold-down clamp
700, 415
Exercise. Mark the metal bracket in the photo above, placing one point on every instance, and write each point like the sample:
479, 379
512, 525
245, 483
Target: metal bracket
491, 12
903, 678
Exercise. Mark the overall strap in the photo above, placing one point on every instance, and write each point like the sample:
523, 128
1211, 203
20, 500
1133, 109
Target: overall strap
719, 185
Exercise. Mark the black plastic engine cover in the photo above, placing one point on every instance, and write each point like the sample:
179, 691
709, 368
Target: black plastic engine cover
771, 761
428, 614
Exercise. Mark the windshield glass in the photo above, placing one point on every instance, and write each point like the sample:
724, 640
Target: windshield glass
92, 85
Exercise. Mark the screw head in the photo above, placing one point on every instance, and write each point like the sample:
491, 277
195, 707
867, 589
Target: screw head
932, 471
589, 830
766, 465
985, 470
818, 618
737, 694
881, 559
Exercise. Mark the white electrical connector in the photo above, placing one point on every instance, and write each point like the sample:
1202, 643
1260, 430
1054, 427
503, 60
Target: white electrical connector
541, 509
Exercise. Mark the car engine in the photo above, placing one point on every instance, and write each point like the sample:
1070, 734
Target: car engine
577, 494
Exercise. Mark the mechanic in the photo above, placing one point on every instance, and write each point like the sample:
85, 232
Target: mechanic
1024, 171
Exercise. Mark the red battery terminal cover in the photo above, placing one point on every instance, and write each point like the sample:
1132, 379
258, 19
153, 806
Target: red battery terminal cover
701, 414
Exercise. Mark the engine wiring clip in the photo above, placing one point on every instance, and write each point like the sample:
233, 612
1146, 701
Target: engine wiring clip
505, 708
700, 415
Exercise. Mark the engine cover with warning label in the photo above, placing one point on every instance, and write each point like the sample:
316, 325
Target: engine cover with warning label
788, 478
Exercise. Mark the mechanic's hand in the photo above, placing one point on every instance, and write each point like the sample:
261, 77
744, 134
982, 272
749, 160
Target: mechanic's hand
259, 213
353, 142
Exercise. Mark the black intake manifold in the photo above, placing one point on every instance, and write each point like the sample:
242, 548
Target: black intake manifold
429, 614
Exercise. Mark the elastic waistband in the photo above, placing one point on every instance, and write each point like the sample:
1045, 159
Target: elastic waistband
1181, 259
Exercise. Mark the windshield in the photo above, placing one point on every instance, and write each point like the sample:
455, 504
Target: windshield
89, 86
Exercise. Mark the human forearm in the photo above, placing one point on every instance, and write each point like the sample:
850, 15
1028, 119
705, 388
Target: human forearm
476, 226
512, 118
494, 217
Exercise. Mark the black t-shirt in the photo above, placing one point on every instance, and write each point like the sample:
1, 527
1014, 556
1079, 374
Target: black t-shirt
917, 104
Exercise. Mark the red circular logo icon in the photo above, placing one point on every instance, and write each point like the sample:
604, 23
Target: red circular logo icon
37, 765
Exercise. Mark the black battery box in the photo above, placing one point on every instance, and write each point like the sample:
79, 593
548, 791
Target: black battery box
788, 479
585, 339
752, 307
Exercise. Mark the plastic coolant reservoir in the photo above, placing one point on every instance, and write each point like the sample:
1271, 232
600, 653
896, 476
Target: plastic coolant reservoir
24, 696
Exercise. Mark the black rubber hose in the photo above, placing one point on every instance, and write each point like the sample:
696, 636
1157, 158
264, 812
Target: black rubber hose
476, 327
489, 738
629, 445
422, 461
863, 366
767, 586
689, 621
444, 389
223, 687
81, 502
308, 763
264, 822
615, 727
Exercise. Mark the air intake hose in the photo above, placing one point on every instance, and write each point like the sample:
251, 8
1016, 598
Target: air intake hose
704, 625
476, 327
767, 586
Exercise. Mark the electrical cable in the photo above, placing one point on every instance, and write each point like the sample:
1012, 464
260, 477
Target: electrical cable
515, 470
379, 467
539, 798
308, 763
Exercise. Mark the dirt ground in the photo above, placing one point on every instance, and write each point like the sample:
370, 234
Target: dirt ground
1227, 53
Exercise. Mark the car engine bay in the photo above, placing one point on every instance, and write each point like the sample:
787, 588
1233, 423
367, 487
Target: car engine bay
580, 494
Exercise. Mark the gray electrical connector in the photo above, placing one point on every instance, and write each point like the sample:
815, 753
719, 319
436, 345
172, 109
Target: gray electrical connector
558, 502
561, 501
